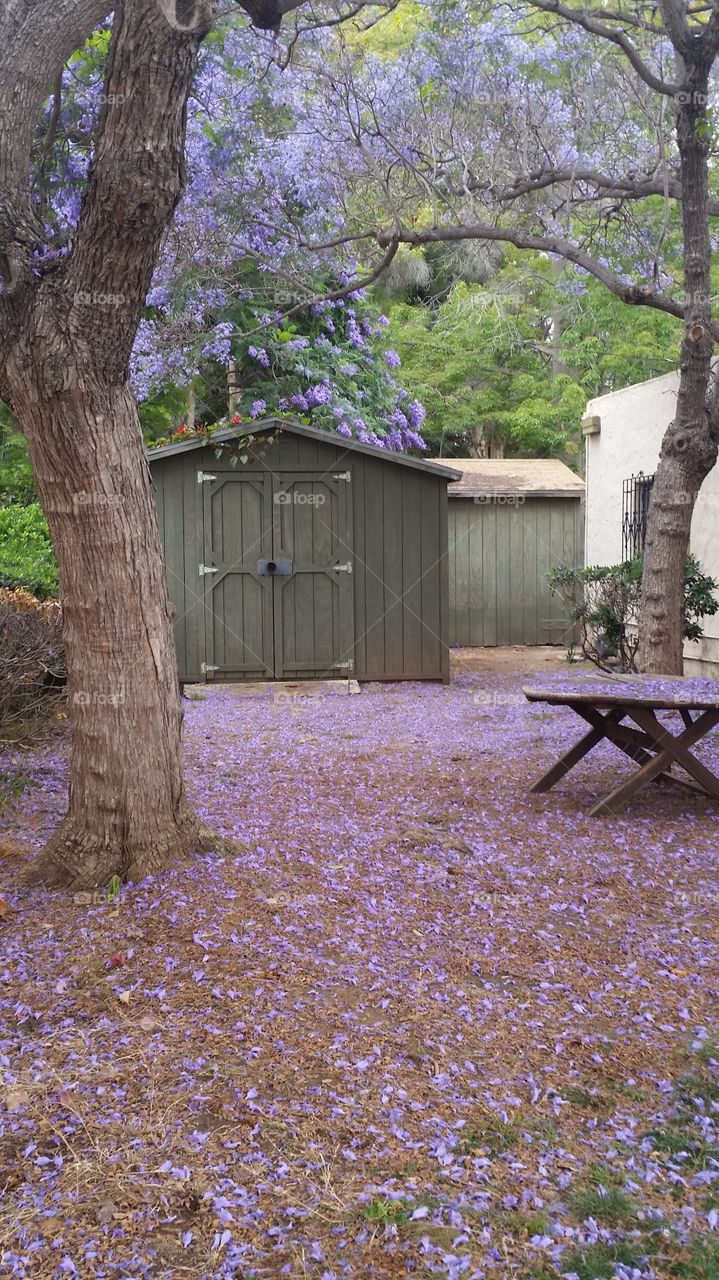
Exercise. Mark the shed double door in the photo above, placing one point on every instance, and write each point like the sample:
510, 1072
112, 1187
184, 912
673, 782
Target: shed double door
279, 575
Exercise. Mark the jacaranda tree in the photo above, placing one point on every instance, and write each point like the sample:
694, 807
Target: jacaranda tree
68, 322
578, 132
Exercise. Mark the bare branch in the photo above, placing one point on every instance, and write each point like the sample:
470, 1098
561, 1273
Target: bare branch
361, 282
626, 188
585, 19
632, 294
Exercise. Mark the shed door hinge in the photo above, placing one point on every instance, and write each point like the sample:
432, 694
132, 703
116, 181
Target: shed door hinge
343, 666
202, 476
207, 568
207, 666
342, 475
342, 568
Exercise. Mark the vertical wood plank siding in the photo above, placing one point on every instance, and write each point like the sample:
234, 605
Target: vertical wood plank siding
399, 589
499, 556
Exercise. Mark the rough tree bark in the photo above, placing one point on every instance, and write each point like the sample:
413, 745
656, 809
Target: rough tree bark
66, 336
128, 814
690, 445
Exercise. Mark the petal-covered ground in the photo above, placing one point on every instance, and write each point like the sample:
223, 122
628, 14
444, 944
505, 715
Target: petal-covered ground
423, 1024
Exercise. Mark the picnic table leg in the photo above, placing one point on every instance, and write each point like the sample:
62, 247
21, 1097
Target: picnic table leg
673, 749
677, 747
575, 753
633, 743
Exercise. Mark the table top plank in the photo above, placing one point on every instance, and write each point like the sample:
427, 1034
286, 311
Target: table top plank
661, 693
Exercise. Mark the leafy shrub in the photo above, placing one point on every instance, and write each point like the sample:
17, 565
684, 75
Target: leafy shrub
603, 601
16, 479
32, 667
26, 555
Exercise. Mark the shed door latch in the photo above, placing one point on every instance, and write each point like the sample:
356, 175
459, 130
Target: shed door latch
342, 475
342, 568
207, 568
202, 476
343, 666
205, 667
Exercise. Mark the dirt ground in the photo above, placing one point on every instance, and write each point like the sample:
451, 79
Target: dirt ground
506, 659
418, 1023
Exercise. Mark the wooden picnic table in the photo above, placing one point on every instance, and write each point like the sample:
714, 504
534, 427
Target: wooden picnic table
605, 702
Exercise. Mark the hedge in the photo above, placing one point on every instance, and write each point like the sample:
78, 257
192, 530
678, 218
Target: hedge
26, 555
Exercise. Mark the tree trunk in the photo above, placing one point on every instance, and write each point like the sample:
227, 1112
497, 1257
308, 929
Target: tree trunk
128, 814
485, 444
66, 335
689, 447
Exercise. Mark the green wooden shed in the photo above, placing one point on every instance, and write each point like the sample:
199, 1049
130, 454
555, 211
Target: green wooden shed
293, 553
510, 522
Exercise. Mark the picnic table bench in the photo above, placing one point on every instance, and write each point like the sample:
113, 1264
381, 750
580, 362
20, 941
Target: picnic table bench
605, 702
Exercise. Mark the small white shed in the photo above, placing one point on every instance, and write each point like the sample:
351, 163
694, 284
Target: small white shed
623, 433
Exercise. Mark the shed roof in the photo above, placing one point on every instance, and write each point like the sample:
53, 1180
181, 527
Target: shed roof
433, 466
544, 477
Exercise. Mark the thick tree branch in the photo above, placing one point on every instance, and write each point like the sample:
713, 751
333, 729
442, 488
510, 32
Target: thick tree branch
624, 188
36, 39
632, 294
589, 23
137, 173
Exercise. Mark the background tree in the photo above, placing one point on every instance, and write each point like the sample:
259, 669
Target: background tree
581, 134
505, 367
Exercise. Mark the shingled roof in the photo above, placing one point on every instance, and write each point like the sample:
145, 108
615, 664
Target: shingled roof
543, 477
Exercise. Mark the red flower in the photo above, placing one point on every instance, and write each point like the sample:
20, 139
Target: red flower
236, 419
181, 431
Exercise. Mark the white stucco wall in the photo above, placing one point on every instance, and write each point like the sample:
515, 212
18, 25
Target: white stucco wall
633, 422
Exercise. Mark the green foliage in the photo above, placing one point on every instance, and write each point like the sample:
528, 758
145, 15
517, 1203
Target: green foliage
603, 601
162, 411
387, 1212
26, 555
112, 893
474, 363
699, 599
600, 1261
16, 479
604, 1201
608, 345
327, 365
512, 361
